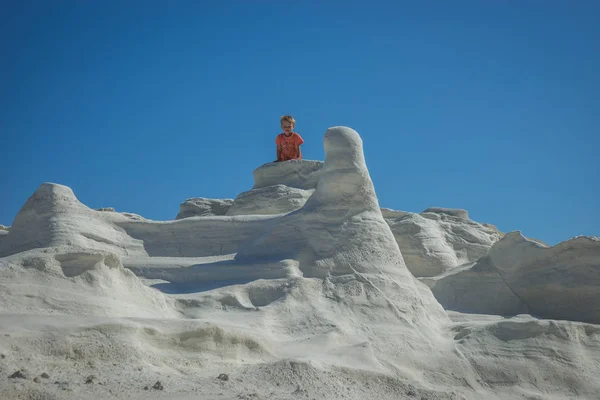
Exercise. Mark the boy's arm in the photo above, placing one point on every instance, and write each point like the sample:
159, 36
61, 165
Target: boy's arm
278, 153
299, 142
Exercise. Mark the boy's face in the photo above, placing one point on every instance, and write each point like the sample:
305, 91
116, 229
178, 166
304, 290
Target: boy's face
287, 127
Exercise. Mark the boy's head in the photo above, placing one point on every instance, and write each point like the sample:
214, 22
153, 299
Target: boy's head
287, 124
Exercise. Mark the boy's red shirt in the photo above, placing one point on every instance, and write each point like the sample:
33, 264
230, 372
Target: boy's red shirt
288, 146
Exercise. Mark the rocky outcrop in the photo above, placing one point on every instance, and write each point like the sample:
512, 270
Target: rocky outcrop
330, 224
279, 188
433, 243
523, 275
53, 216
275, 199
301, 174
193, 237
340, 231
202, 207
453, 212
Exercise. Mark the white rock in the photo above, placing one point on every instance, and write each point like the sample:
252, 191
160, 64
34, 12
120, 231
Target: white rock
301, 174
388, 213
433, 243
70, 281
454, 212
53, 216
194, 236
523, 275
323, 306
340, 230
202, 207
479, 288
269, 200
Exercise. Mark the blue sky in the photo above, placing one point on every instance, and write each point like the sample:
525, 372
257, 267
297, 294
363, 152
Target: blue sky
490, 106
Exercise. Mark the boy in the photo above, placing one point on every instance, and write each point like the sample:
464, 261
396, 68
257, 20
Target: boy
288, 142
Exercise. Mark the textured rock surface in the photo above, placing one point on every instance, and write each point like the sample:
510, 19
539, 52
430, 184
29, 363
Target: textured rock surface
477, 289
317, 303
202, 207
64, 280
301, 174
522, 275
433, 243
53, 216
340, 230
275, 199
453, 212
193, 237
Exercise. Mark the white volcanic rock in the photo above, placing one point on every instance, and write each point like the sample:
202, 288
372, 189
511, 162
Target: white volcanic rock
53, 216
269, 200
559, 282
442, 239
523, 275
316, 304
477, 288
439, 240
388, 213
279, 187
202, 207
515, 355
344, 252
67, 281
193, 237
454, 212
341, 231
301, 174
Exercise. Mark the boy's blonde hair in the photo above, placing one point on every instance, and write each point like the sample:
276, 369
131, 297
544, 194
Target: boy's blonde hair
289, 119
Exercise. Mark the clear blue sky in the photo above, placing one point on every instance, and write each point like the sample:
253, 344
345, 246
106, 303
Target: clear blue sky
490, 106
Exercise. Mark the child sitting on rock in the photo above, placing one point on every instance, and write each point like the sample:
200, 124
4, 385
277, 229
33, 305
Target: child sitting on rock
288, 142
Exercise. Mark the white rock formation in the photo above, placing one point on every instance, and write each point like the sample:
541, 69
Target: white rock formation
315, 303
388, 213
202, 207
53, 216
340, 231
433, 243
269, 200
301, 174
522, 275
278, 188
66, 281
453, 212
193, 237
